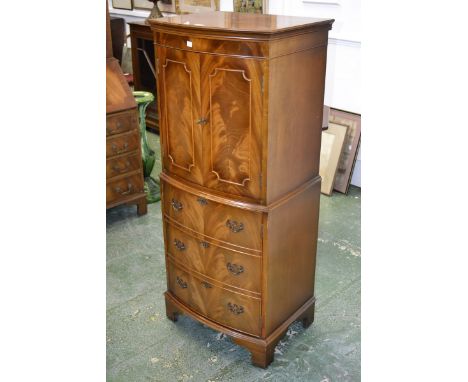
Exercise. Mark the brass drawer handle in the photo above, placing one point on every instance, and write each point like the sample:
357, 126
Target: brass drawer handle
202, 121
206, 285
128, 192
235, 309
181, 283
180, 245
176, 205
202, 201
235, 269
123, 169
116, 150
234, 226
204, 244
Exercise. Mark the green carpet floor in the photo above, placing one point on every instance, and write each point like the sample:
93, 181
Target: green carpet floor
143, 345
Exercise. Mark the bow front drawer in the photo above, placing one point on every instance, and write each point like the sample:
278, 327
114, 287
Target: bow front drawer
236, 269
226, 307
217, 221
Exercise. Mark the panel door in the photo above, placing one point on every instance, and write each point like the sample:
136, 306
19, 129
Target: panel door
179, 103
231, 103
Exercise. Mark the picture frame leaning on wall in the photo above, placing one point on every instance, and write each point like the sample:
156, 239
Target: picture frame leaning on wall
330, 152
348, 157
122, 4
168, 6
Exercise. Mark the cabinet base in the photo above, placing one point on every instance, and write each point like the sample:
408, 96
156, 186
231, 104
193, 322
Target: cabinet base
261, 350
139, 200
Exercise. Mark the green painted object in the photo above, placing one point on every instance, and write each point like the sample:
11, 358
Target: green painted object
152, 189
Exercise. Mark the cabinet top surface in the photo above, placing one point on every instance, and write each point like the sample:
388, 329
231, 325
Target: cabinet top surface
240, 22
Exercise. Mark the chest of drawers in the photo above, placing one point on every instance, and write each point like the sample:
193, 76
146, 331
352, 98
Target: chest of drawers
124, 170
240, 106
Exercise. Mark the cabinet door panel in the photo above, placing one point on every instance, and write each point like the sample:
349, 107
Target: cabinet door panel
232, 102
179, 84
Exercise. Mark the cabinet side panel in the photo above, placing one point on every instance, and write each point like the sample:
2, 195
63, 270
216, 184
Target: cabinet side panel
291, 253
296, 91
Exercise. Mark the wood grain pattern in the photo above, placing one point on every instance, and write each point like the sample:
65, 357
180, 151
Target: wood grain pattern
118, 94
205, 45
233, 101
179, 100
123, 164
224, 25
124, 187
241, 235
210, 218
224, 306
122, 143
121, 122
235, 269
296, 127
290, 253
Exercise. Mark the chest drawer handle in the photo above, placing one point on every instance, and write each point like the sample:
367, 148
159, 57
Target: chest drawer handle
123, 169
206, 285
176, 205
116, 150
181, 283
235, 309
235, 269
128, 192
180, 246
202, 121
202, 201
204, 244
234, 226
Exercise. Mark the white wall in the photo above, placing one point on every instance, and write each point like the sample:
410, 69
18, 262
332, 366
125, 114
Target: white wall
343, 83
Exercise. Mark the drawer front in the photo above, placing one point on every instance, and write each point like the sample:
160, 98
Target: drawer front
121, 122
122, 165
225, 47
228, 308
232, 268
124, 187
217, 221
123, 143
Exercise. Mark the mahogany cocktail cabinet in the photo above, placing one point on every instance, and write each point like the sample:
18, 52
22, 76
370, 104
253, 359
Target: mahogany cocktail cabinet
240, 108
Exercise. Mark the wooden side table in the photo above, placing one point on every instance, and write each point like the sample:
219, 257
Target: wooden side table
144, 76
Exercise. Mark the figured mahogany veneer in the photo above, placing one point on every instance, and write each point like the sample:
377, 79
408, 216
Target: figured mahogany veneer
124, 170
240, 106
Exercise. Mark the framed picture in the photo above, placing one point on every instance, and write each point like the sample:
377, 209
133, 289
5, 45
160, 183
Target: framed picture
196, 6
251, 6
350, 148
168, 6
122, 4
330, 152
